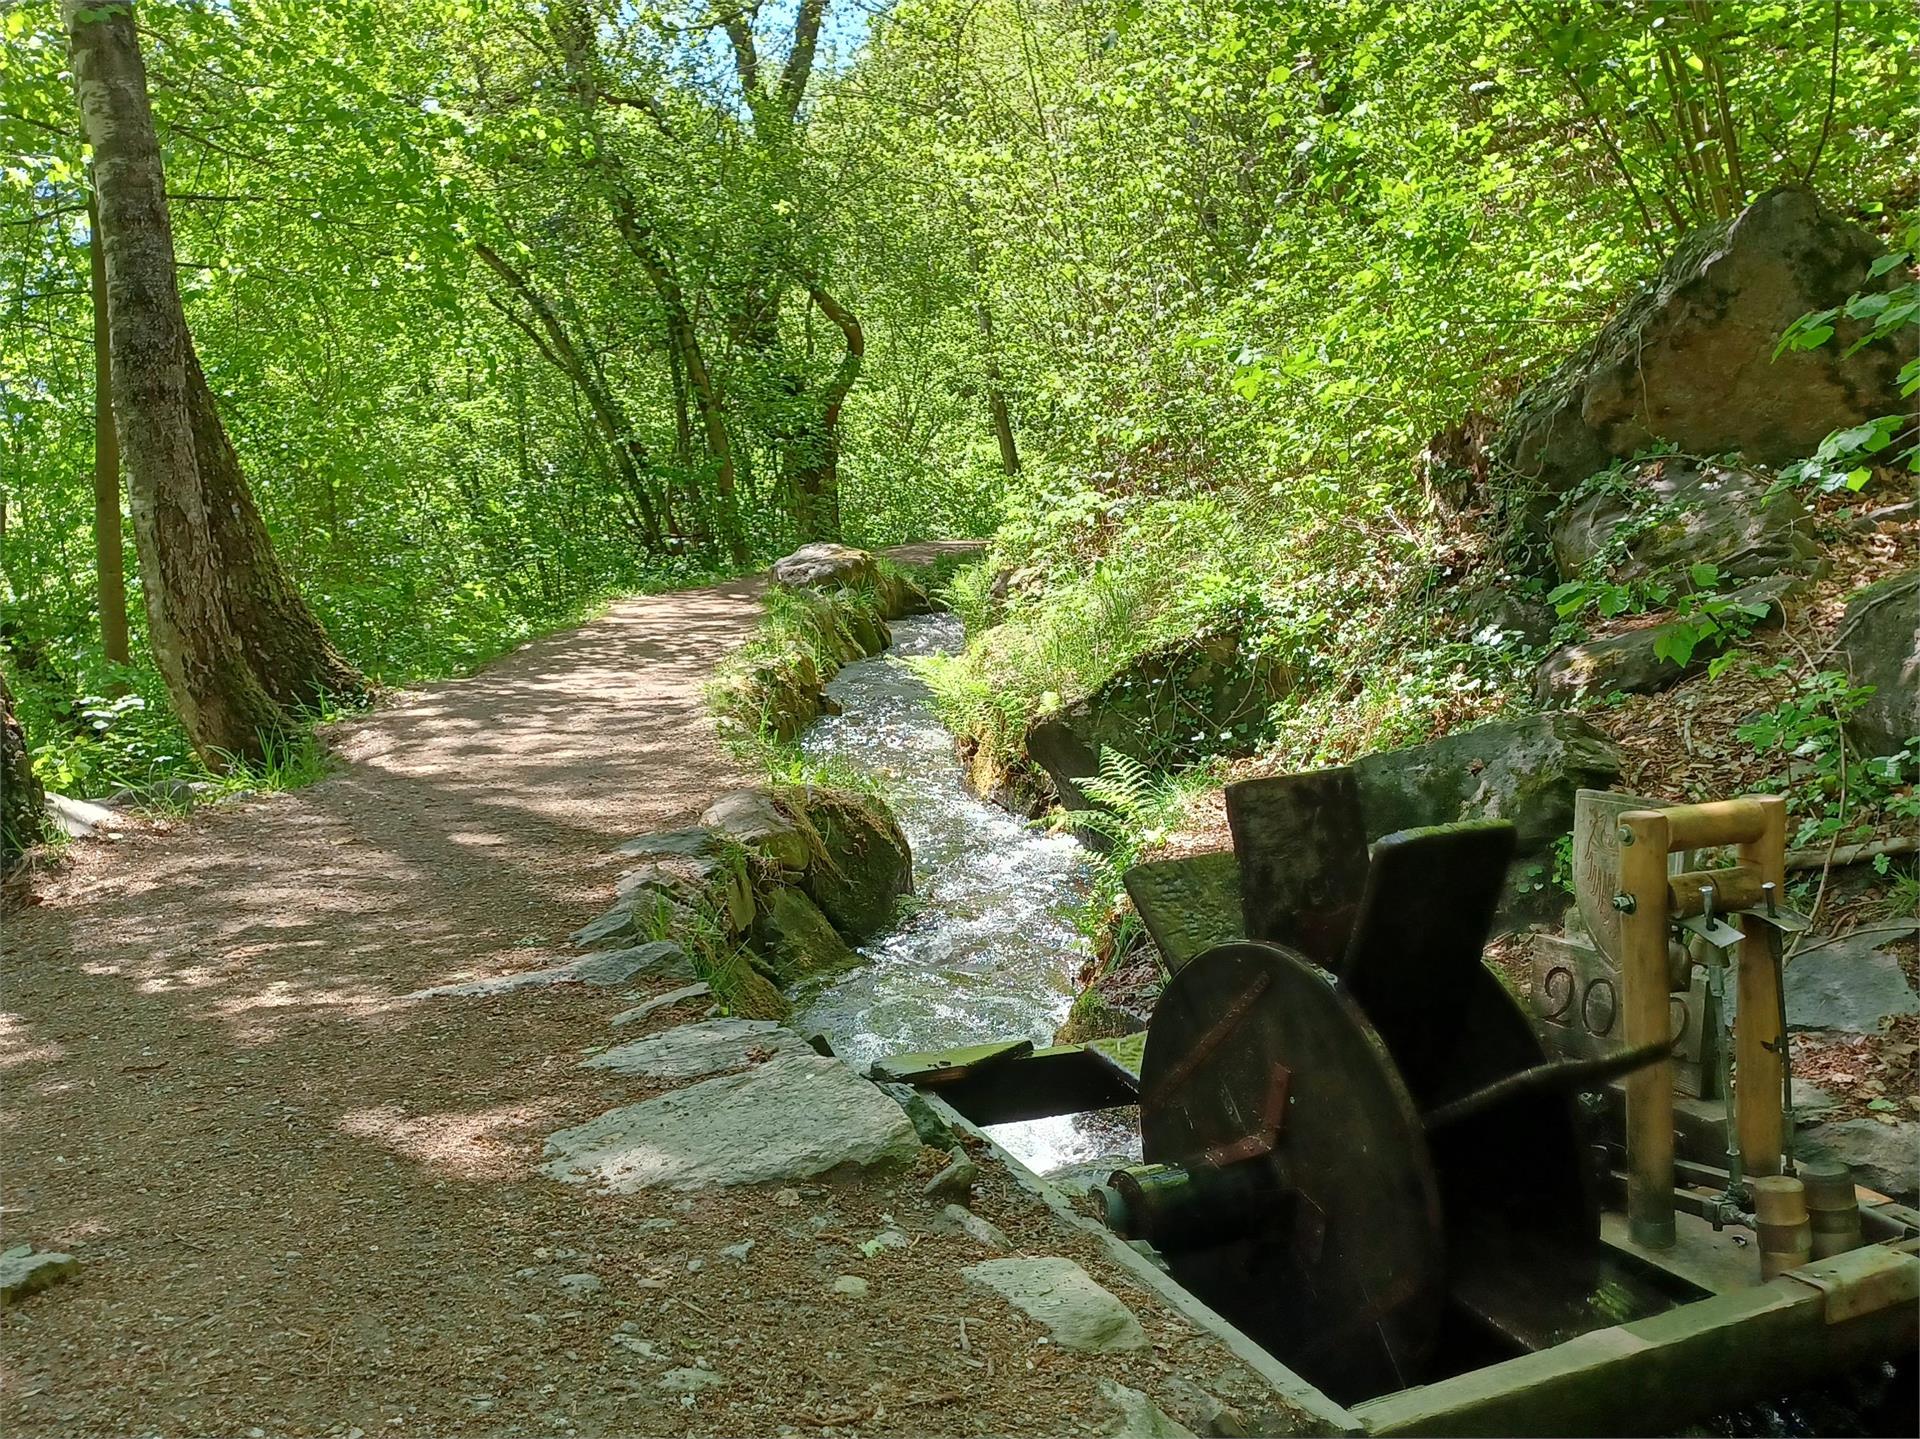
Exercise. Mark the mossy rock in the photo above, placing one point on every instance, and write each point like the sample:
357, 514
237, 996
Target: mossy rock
1094, 1016
796, 938
860, 863
746, 992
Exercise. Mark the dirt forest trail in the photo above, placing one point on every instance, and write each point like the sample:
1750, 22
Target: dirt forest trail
305, 1205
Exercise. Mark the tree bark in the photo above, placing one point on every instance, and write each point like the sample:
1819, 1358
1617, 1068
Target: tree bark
110, 576
817, 488
193, 520
23, 805
997, 410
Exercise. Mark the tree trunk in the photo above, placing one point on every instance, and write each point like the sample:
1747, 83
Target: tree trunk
996, 397
279, 636
23, 805
193, 520
817, 479
110, 573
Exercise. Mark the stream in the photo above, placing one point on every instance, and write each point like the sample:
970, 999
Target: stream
991, 951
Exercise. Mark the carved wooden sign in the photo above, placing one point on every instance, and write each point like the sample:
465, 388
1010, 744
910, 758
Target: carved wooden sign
1576, 999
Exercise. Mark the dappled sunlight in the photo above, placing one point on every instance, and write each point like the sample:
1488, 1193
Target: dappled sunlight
481, 1144
17, 1047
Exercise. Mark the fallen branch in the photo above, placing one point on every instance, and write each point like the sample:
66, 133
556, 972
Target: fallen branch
1846, 854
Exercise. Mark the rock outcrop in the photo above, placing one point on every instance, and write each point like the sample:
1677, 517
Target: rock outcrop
1669, 513
1690, 359
1525, 770
1879, 641
1204, 696
861, 863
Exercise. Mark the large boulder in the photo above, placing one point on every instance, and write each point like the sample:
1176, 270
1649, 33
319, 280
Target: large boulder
826, 566
1690, 359
1672, 512
1181, 702
753, 819
1524, 770
860, 863
1638, 661
1879, 641
796, 938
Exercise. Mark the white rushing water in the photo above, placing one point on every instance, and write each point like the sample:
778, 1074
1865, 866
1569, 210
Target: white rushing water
991, 950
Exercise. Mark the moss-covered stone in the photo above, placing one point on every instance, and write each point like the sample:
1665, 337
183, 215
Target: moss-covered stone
860, 863
1094, 1016
796, 938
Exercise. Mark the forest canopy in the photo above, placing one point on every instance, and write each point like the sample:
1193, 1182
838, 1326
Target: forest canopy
511, 306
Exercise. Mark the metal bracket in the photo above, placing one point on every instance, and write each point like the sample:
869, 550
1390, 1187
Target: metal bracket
1862, 1280
1714, 930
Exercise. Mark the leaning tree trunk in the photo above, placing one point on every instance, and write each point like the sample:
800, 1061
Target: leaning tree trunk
215, 595
23, 805
817, 478
109, 559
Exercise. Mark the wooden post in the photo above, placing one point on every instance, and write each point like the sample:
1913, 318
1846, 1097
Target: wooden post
1645, 837
1758, 1040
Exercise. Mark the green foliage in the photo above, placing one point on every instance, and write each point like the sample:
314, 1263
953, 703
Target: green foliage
1834, 797
1136, 809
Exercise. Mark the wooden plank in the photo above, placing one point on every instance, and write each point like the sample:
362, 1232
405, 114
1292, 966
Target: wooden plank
1653, 1375
1029, 1084
1188, 905
1713, 1263
943, 1066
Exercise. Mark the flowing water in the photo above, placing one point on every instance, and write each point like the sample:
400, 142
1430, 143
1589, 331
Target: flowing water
991, 950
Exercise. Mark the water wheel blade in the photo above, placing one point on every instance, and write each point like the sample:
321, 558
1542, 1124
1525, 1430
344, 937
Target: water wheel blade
1302, 848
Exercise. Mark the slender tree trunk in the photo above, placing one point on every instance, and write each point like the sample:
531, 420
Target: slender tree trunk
817, 487
110, 576
996, 397
23, 805
183, 488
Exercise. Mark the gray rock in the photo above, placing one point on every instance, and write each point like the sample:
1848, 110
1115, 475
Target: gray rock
657, 959
660, 1002
696, 1049
738, 1252
828, 566
1138, 1417
955, 1182
661, 958
932, 1129
24, 1271
794, 1116
1690, 360
864, 864
796, 938
1523, 770
1879, 641
1062, 1297
886, 1239
1847, 983
689, 1381
1670, 513
750, 817
693, 843
1501, 615
956, 1220
1630, 663
851, 1285
1884, 1156
80, 818
579, 1286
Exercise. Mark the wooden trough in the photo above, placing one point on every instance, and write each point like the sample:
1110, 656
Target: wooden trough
1360, 1158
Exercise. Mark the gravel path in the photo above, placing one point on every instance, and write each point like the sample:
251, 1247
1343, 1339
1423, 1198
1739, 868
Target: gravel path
304, 1206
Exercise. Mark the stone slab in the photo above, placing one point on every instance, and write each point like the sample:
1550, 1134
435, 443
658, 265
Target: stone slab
661, 959
24, 1271
795, 1116
1062, 1297
660, 1002
691, 1050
